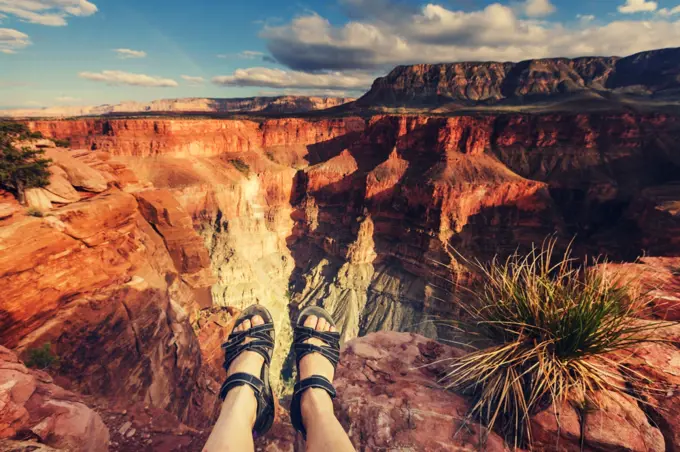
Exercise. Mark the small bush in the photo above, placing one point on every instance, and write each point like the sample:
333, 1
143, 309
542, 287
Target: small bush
20, 169
28, 135
62, 143
35, 212
240, 165
42, 358
540, 328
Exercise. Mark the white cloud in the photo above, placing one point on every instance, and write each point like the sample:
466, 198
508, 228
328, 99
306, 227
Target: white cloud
193, 80
278, 78
665, 12
47, 12
538, 8
638, 6
12, 40
116, 78
434, 33
250, 54
585, 18
129, 53
245, 55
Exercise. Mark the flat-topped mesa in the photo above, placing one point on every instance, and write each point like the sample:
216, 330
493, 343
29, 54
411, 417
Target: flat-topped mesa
196, 137
192, 105
480, 82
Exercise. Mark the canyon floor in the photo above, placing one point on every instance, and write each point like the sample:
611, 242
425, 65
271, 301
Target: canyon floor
154, 232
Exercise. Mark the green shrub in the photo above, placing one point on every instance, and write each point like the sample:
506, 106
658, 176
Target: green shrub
240, 165
62, 143
35, 212
42, 357
540, 328
20, 168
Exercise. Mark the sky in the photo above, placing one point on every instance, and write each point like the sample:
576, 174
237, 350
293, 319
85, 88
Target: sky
92, 52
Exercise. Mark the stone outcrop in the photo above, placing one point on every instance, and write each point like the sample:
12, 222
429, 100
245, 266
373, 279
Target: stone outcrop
112, 292
390, 398
469, 83
31, 402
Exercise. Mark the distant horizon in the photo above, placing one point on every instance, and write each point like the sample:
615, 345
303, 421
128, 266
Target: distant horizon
65, 53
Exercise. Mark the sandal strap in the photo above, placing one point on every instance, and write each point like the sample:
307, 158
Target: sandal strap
303, 333
331, 354
331, 351
262, 344
315, 381
242, 379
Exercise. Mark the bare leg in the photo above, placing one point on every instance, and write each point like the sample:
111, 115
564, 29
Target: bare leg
324, 432
233, 430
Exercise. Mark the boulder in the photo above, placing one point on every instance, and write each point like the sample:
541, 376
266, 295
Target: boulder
38, 198
60, 189
8, 205
30, 401
79, 174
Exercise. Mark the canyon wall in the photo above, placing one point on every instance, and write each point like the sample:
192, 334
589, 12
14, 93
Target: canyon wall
108, 281
366, 216
192, 105
646, 73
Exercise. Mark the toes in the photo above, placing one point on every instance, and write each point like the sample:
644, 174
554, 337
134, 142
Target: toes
257, 320
310, 321
333, 329
321, 324
245, 325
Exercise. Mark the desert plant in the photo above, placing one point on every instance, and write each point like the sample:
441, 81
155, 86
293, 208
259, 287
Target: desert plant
542, 328
240, 165
62, 143
35, 212
42, 357
20, 168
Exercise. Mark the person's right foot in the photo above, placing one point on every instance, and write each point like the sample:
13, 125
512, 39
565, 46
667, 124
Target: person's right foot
315, 399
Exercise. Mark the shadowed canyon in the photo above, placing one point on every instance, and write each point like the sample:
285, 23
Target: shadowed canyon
157, 231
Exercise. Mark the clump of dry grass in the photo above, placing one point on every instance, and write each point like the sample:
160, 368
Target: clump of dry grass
542, 328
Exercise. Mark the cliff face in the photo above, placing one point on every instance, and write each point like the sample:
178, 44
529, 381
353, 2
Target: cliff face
110, 280
264, 105
200, 138
473, 82
361, 215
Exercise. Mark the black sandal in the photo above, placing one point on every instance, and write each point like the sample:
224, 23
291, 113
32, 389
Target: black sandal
330, 351
263, 343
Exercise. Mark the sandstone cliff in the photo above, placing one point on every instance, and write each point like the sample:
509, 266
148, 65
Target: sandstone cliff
261, 105
111, 283
360, 215
431, 85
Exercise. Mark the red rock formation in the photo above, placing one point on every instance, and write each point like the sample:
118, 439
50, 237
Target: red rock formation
259, 105
389, 397
31, 402
469, 82
112, 292
205, 138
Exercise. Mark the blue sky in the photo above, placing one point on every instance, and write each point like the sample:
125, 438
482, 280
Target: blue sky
89, 52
